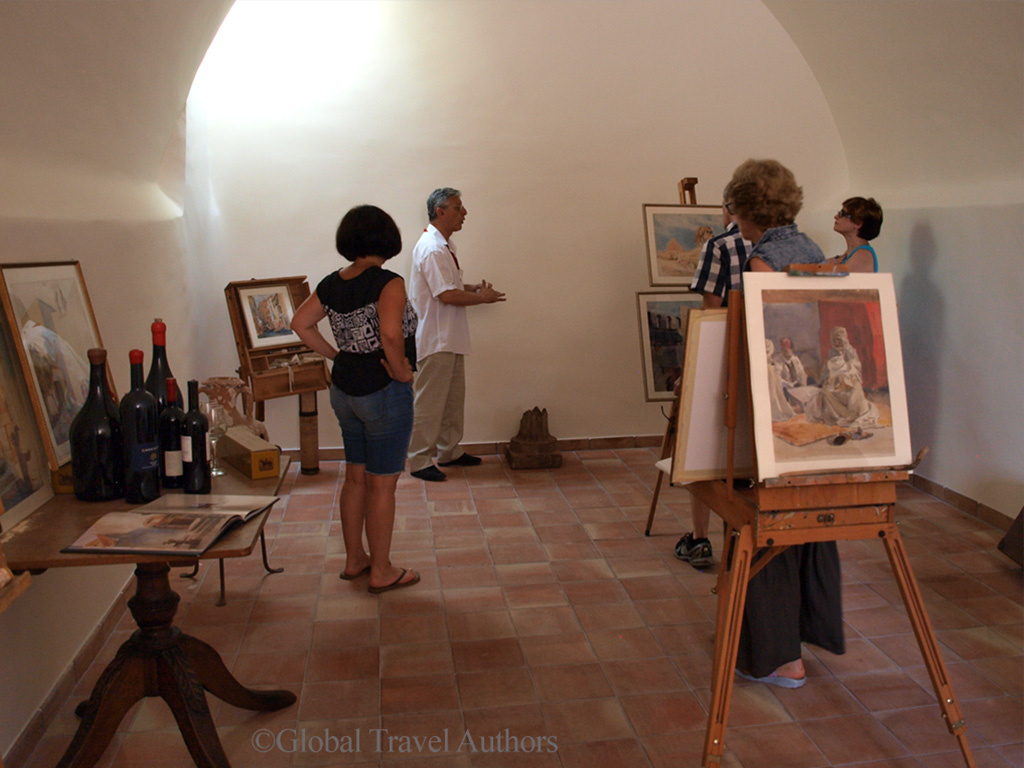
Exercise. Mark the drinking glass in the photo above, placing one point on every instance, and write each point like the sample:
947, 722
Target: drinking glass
218, 424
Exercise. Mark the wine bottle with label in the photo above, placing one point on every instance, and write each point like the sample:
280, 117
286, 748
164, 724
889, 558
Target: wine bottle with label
159, 369
171, 425
139, 422
97, 467
196, 461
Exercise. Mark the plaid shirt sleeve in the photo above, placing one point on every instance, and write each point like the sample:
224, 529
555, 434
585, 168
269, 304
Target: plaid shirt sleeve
720, 268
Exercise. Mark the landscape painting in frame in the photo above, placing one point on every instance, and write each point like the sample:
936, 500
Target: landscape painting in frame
24, 472
675, 235
663, 318
53, 327
268, 312
826, 373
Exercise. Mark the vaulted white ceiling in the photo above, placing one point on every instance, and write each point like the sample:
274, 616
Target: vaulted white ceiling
928, 96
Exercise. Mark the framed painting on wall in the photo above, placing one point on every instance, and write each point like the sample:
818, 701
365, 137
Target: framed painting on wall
53, 327
662, 318
675, 235
267, 311
826, 373
702, 440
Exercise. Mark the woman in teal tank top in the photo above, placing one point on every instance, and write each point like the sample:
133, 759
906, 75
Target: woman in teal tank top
858, 221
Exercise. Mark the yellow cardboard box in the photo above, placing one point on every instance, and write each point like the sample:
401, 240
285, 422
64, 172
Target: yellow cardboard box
251, 455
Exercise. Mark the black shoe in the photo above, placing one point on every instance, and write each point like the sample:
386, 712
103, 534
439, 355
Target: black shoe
696, 552
465, 460
430, 474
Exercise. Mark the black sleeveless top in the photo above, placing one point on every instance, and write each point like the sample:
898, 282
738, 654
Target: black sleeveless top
351, 307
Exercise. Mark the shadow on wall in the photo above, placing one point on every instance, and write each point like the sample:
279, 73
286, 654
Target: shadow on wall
923, 332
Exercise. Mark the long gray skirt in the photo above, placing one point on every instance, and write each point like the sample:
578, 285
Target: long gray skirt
795, 598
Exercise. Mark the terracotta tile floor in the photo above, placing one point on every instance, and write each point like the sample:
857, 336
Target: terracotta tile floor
545, 618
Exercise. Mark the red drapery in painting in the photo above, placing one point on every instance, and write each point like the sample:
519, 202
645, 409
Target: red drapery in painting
863, 323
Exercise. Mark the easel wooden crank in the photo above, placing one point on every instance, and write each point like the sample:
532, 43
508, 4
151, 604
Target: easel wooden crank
789, 510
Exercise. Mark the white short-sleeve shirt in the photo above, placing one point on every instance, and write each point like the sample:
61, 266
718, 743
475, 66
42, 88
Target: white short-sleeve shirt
442, 327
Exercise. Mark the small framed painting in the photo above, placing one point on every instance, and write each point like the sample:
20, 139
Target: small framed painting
267, 311
675, 235
826, 373
53, 328
663, 318
702, 439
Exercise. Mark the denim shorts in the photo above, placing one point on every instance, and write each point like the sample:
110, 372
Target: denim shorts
376, 427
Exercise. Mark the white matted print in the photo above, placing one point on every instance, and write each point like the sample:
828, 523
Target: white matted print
702, 440
675, 235
268, 312
826, 373
662, 318
53, 326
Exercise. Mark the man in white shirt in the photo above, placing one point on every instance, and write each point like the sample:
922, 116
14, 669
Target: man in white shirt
442, 339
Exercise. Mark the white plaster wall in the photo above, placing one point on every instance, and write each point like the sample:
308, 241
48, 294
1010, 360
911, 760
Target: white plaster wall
929, 100
960, 290
557, 120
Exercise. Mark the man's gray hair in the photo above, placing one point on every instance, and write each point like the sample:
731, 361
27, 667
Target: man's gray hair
438, 198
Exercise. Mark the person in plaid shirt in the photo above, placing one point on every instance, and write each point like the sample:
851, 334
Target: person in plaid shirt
719, 270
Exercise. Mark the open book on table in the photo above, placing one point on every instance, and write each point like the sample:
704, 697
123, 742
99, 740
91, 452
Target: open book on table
174, 524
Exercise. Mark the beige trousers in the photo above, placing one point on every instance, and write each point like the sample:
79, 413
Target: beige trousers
438, 412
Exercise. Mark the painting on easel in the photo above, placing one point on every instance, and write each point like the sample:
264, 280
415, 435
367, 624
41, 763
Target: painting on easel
826, 372
702, 440
675, 235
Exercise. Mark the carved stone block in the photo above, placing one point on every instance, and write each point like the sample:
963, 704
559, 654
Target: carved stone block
533, 447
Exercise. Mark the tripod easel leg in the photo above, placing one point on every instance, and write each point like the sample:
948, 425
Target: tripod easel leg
667, 449
732, 597
914, 604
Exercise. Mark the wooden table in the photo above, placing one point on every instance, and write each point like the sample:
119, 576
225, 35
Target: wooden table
158, 659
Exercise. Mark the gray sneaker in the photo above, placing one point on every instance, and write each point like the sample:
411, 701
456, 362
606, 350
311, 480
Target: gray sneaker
696, 552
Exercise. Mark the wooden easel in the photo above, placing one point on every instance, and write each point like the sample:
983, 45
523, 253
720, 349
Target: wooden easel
687, 189
799, 509
270, 372
668, 449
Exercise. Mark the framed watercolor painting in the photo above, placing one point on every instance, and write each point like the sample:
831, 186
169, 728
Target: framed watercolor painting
662, 318
24, 465
267, 311
826, 373
702, 440
50, 316
675, 235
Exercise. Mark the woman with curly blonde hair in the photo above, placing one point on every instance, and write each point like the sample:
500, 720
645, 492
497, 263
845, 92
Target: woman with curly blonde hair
796, 597
765, 199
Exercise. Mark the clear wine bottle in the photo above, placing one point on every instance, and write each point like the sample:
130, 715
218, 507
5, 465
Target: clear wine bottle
171, 425
195, 459
97, 467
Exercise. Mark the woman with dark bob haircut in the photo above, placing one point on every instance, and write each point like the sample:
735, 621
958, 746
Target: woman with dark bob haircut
796, 597
858, 221
374, 328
